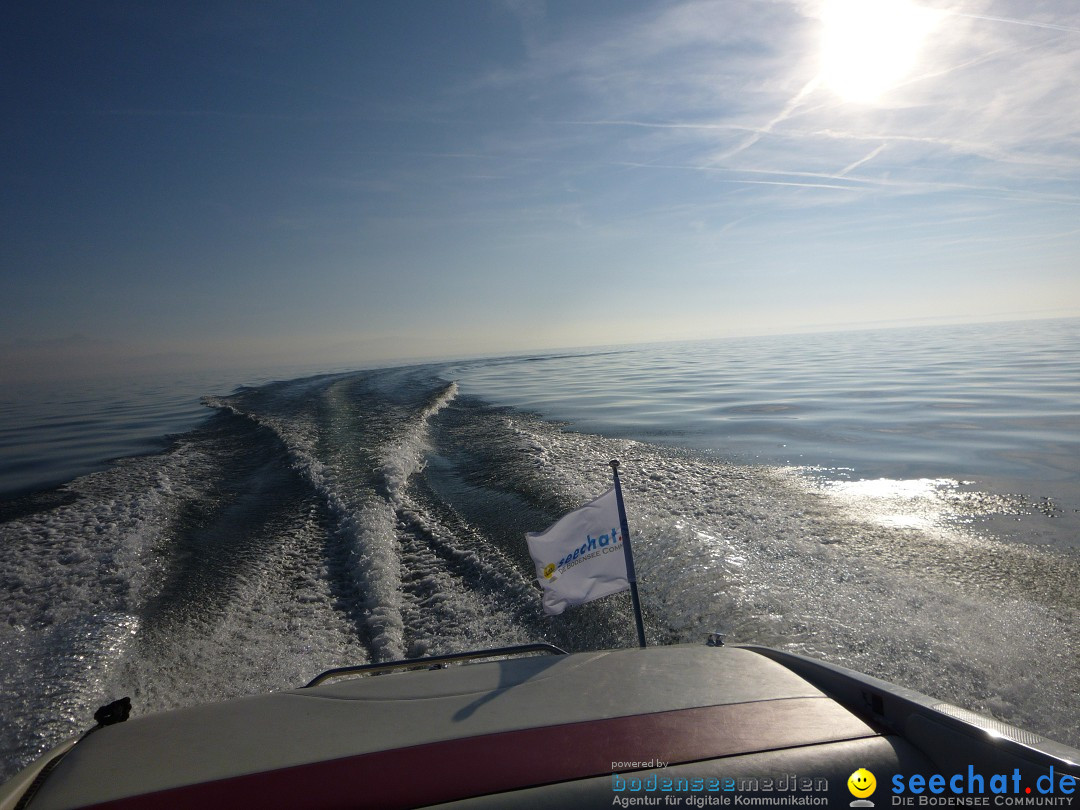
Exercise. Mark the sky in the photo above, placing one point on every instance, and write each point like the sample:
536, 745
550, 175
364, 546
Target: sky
221, 184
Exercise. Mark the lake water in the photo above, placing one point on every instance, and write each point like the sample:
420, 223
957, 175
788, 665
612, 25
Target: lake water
903, 502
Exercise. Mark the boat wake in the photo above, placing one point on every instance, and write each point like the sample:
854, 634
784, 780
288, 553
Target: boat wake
371, 516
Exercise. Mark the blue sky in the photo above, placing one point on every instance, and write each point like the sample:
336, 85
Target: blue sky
226, 184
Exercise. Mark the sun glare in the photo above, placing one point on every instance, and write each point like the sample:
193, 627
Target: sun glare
868, 46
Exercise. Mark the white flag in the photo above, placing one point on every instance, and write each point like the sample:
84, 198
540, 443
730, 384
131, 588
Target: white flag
581, 557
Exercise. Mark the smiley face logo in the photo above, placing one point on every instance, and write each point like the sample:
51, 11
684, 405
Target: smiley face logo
861, 783
549, 569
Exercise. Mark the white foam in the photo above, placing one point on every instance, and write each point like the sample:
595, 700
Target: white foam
404, 457
77, 578
326, 456
276, 630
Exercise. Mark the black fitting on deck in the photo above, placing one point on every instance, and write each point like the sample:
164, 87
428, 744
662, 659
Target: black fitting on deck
112, 713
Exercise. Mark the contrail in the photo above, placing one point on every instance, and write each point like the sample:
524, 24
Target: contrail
1051, 26
861, 161
619, 122
786, 113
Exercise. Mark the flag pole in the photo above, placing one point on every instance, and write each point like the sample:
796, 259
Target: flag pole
631, 574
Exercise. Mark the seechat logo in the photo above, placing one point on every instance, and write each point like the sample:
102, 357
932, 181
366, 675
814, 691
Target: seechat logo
1007, 789
590, 545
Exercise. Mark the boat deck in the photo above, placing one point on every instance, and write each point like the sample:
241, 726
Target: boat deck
562, 731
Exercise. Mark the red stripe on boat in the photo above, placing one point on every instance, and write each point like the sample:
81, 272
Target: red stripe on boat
492, 763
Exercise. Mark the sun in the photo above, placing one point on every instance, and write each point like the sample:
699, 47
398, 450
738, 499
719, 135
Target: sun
869, 46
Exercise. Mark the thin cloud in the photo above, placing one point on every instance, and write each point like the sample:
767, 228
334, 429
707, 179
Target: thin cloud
1001, 94
1014, 21
789, 109
852, 166
662, 125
